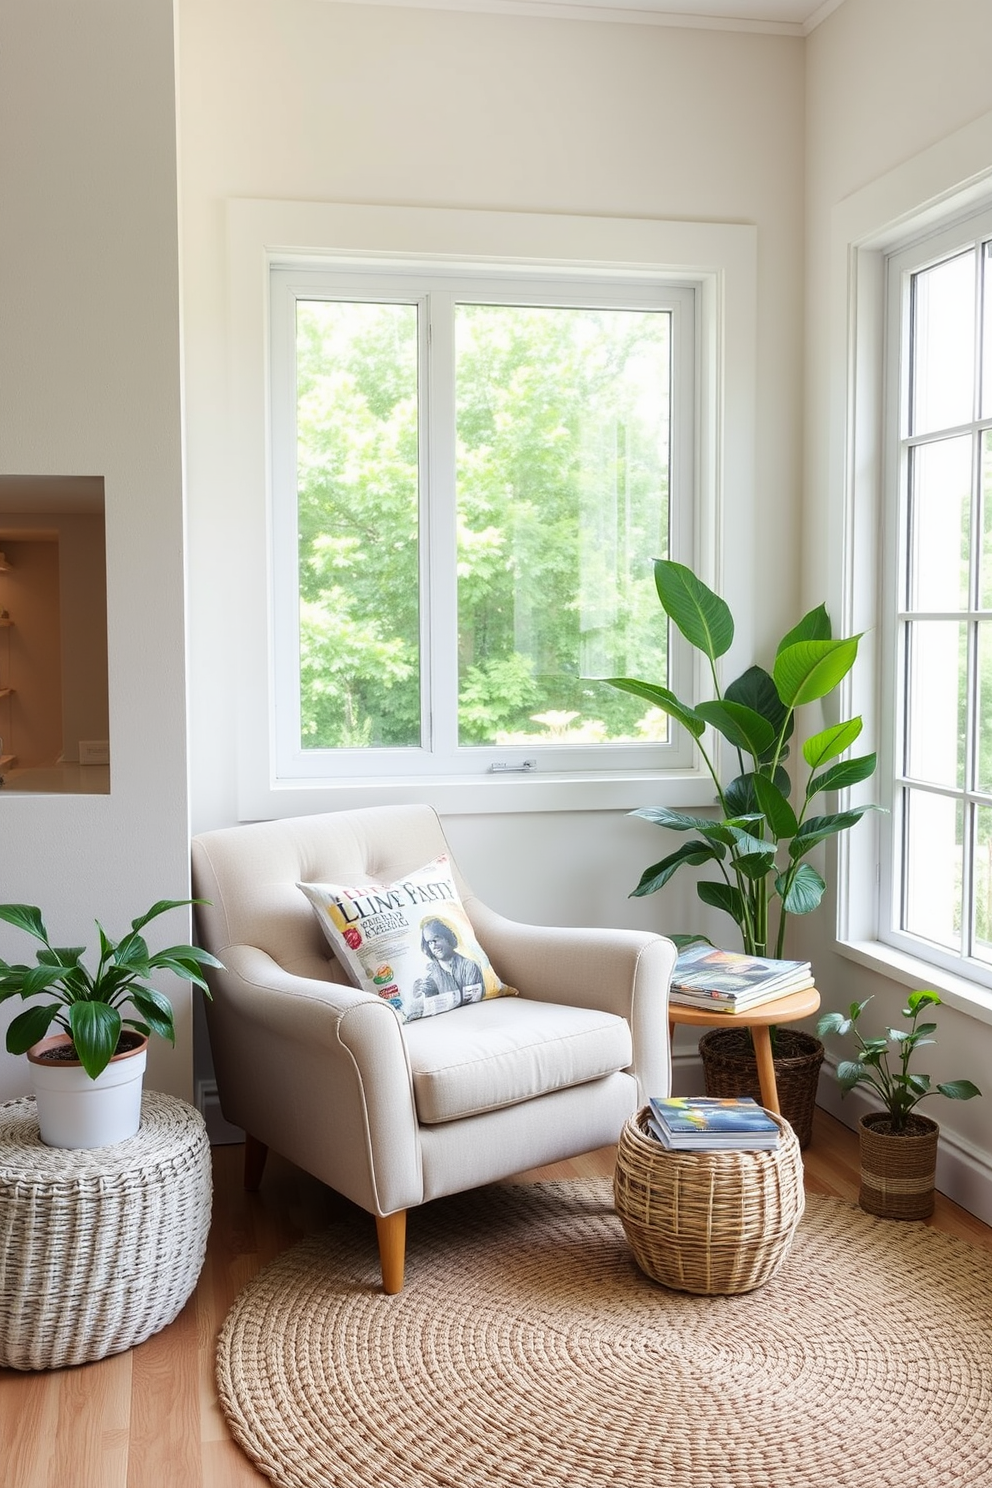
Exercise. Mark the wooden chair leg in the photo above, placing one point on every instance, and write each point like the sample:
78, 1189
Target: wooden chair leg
391, 1229
255, 1154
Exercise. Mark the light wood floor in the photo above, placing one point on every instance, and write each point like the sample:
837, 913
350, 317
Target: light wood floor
149, 1418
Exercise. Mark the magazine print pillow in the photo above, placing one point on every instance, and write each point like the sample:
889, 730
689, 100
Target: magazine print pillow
410, 942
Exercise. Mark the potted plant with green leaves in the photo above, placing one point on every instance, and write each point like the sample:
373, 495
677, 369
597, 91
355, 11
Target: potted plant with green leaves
88, 1076
898, 1144
760, 837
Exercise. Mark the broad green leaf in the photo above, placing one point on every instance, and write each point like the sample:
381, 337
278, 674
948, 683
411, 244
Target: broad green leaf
756, 690
924, 997
818, 828
742, 798
830, 742
132, 953
754, 866
776, 809
810, 669
25, 917
185, 955
677, 821
29, 1027
745, 842
61, 955
850, 1072
39, 978
95, 1029
662, 698
702, 616
838, 777
814, 626
655, 877
723, 896
804, 893
156, 1010
958, 1089
681, 941
160, 907
744, 728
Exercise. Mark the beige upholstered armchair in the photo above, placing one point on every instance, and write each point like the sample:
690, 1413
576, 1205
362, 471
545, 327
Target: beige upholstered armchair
392, 1114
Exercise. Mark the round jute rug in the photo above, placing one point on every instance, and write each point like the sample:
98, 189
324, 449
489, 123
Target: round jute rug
528, 1351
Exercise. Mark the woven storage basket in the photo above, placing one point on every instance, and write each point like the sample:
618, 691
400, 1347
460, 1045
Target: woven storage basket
707, 1222
99, 1248
898, 1173
729, 1069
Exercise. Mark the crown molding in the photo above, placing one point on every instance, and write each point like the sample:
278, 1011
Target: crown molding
633, 12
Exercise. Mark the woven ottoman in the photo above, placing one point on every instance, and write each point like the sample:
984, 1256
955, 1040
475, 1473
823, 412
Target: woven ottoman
708, 1222
99, 1248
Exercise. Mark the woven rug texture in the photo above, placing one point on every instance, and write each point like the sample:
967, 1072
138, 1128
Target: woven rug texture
528, 1351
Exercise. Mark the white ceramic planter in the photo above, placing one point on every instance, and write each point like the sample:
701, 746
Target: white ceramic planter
75, 1111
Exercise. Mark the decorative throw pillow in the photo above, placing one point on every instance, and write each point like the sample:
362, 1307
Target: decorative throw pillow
410, 942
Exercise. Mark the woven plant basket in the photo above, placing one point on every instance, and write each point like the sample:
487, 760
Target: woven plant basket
898, 1171
707, 1222
729, 1069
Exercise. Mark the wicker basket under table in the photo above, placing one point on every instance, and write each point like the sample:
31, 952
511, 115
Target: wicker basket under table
99, 1247
708, 1222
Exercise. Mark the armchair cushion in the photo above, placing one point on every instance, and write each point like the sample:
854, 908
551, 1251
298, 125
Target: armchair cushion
500, 1053
409, 942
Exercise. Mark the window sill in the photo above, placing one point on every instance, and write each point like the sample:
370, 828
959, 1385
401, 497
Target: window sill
956, 991
587, 791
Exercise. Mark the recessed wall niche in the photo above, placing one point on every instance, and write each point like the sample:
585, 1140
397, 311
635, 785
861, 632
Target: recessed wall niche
54, 693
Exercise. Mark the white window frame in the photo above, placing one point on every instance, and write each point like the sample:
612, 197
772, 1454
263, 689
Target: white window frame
435, 292
718, 261
901, 266
925, 195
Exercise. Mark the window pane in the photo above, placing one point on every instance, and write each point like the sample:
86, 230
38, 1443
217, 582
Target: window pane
943, 344
940, 522
357, 474
985, 478
983, 764
933, 867
936, 670
982, 947
563, 425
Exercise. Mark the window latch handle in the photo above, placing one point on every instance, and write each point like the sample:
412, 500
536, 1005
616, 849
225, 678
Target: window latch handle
506, 769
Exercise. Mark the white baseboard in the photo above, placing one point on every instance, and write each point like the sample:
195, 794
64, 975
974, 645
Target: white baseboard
219, 1131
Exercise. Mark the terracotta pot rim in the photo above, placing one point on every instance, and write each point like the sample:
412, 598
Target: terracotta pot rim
872, 1119
37, 1052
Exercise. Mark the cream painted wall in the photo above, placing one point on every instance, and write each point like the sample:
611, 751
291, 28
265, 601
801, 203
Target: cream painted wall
308, 100
90, 385
886, 80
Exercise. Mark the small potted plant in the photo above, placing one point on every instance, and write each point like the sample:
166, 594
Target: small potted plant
759, 841
87, 1077
898, 1143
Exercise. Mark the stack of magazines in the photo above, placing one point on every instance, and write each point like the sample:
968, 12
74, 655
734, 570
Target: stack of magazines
701, 1123
730, 982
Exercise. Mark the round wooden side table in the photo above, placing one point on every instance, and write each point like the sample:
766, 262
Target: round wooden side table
99, 1247
760, 1019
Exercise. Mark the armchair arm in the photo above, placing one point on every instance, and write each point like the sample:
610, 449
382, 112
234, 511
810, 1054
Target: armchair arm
318, 1071
626, 972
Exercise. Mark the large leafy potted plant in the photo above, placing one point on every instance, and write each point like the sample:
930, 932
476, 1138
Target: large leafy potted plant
759, 840
87, 1077
898, 1144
